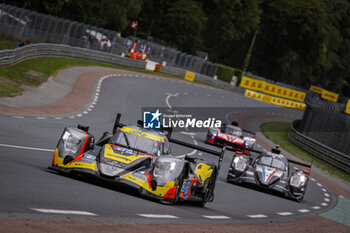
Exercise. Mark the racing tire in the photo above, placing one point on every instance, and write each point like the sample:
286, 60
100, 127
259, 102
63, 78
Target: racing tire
200, 203
178, 190
209, 191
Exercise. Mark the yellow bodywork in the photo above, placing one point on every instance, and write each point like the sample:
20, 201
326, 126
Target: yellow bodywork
160, 190
77, 164
127, 159
203, 172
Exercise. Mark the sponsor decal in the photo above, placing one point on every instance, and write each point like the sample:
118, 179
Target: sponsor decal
157, 120
152, 120
186, 187
89, 156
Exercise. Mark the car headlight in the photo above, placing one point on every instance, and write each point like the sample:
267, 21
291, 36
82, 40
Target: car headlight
240, 163
212, 134
166, 169
297, 180
71, 143
248, 144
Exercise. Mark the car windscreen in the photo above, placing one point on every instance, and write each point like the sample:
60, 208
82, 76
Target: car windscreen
236, 131
136, 142
272, 162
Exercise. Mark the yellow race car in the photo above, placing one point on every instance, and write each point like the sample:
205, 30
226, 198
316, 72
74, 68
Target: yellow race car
140, 158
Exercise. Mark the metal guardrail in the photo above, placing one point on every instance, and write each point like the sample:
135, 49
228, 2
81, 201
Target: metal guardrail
8, 57
319, 150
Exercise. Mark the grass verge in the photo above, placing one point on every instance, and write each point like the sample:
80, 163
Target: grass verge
9, 42
278, 133
47, 66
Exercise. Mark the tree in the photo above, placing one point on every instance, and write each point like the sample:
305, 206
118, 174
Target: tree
229, 22
296, 41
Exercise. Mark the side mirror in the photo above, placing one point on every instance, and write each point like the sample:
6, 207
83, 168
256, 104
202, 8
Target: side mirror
67, 159
191, 159
275, 150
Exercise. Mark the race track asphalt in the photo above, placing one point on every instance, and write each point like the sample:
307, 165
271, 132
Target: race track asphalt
27, 184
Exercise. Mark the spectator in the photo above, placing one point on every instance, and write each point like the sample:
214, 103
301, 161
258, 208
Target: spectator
20, 43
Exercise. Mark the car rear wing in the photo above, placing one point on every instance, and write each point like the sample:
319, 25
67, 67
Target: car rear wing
274, 150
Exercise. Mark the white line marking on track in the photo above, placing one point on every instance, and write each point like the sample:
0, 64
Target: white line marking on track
167, 99
26, 147
79, 115
313, 179
18, 117
188, 133
326, 200
304, 210
53, 211
319, 184
285, 213
326, 194
324, 204
40, 118
71, 117
157, 216
216, 216
324, 190
257, 216
58, 118
316, 207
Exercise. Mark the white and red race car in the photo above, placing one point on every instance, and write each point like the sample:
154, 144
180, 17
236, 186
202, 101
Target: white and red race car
231, 136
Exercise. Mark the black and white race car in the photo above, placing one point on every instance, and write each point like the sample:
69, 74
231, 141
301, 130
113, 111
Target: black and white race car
271, 171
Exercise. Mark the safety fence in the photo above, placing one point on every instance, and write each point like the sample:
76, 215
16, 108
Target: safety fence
326, 126
30, 25
319, 150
